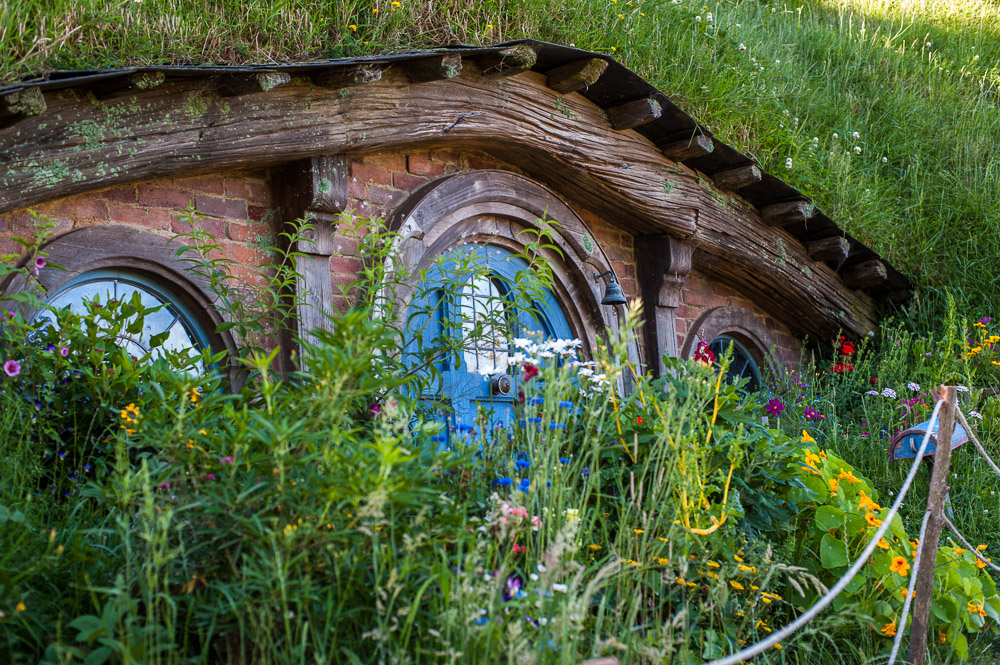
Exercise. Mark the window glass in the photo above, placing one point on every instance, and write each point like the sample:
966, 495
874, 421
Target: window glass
742, 364
103, 287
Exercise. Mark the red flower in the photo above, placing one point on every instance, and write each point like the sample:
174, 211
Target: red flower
530, 372
873, 380
703, 354
847, 348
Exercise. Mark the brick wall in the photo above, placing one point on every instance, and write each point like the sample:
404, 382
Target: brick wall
701, 293
238, 207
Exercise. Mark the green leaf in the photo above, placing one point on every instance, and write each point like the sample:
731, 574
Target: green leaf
960, 646
944, 608
832, 552
829, 517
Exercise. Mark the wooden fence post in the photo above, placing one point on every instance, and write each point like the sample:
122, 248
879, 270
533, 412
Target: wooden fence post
929, 543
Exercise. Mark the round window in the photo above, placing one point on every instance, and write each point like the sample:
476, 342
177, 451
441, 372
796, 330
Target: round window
103, 287
742, 365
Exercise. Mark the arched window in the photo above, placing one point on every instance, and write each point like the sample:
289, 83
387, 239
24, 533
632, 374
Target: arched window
742, 364
171, 318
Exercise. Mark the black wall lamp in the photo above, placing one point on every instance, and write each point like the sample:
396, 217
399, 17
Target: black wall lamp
613, 291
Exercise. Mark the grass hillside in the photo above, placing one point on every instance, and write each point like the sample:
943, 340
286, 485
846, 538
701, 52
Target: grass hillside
886, 112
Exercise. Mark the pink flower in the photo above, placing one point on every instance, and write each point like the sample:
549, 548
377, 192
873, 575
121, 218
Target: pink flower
12, 368
535, 522
518, 548
228, 460
39, 264
530, 372
64, 352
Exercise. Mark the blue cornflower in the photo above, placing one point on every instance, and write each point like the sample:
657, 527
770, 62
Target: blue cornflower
535, 420
503, 482
524, 485
557, 425
565, 460
523, 463
585, 472
535, 401
481, 621
439, 438
462, 427
565, 405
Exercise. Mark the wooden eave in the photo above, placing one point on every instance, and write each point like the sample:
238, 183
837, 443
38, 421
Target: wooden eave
715, 178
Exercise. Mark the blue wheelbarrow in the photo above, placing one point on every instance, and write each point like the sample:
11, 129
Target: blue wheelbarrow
905, 445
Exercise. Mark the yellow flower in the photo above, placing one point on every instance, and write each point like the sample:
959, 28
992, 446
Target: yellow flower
889, 629
353, 27
899, 565
981, 548
833, 485
594, 547
374, 10
905, 593
866, 503
712, 564
767, 601
489, 26
981, 564
662, 561
849, 477
883, 543
959, 551
812, 459
613, 48
806, 438
680, 580
662, 539
736, 585
395, 3
811, 470
638, 532
746, 569
777, 645
872, 520
632, 562
621, 16
713, 576
21, 607
736, 557
977, 609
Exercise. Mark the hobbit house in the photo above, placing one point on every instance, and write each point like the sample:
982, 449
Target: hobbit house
454, 147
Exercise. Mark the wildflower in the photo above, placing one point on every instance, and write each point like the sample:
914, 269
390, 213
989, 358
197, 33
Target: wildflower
632, 562
836, 135
812, 414
962, 389
806, 438
713, 564
976, 609
857, 150
856, 136
889, 392
866, 503
353, 27
703, 355
503, 482
981, 548
736, 585
64, 352
530, 372
746, 569
39, 264
12, 368
662, 561
20, 607
833, 485
885, 160
981, 564
848, 476
638, 532
888, 629
524, 485
561, 588
788, 163
913, 386
959, 551
594, 547
883, 543
873, 521
976, 415
872, 392
774, 407
743, 47
523, 463
777, 645
737, 558
899, 565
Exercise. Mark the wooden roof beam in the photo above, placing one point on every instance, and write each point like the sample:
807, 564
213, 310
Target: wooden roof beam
21, 104
737, 178
435, 68
133, 83
834, 248
343, 77
507, 62
634, 114
698, 145
865, 274
577, 75
234, 86
788, 212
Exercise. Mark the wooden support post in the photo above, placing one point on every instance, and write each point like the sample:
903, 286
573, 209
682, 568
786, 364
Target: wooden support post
634, 114
929, 544
865, 274
435, 68
698, 145
663, 264
21, 104
788, 212
576, 75
834, 248
738, 178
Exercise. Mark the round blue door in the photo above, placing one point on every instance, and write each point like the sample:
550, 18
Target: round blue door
472, 304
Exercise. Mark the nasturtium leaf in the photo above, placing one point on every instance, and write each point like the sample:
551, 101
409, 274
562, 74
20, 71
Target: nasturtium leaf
829, 517
832, 552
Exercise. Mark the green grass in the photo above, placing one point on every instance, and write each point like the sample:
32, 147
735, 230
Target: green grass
918, 81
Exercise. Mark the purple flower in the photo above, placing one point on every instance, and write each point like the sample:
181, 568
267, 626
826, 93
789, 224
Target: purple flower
774, 407
50, 348
985, 320
64, 352
12, 368
39, 264
812, 414
512, 588
228, 460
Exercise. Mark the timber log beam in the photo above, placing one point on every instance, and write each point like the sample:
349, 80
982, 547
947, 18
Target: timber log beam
565, 142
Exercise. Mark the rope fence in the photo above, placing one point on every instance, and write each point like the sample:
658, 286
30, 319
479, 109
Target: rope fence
975, 440
820, 605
